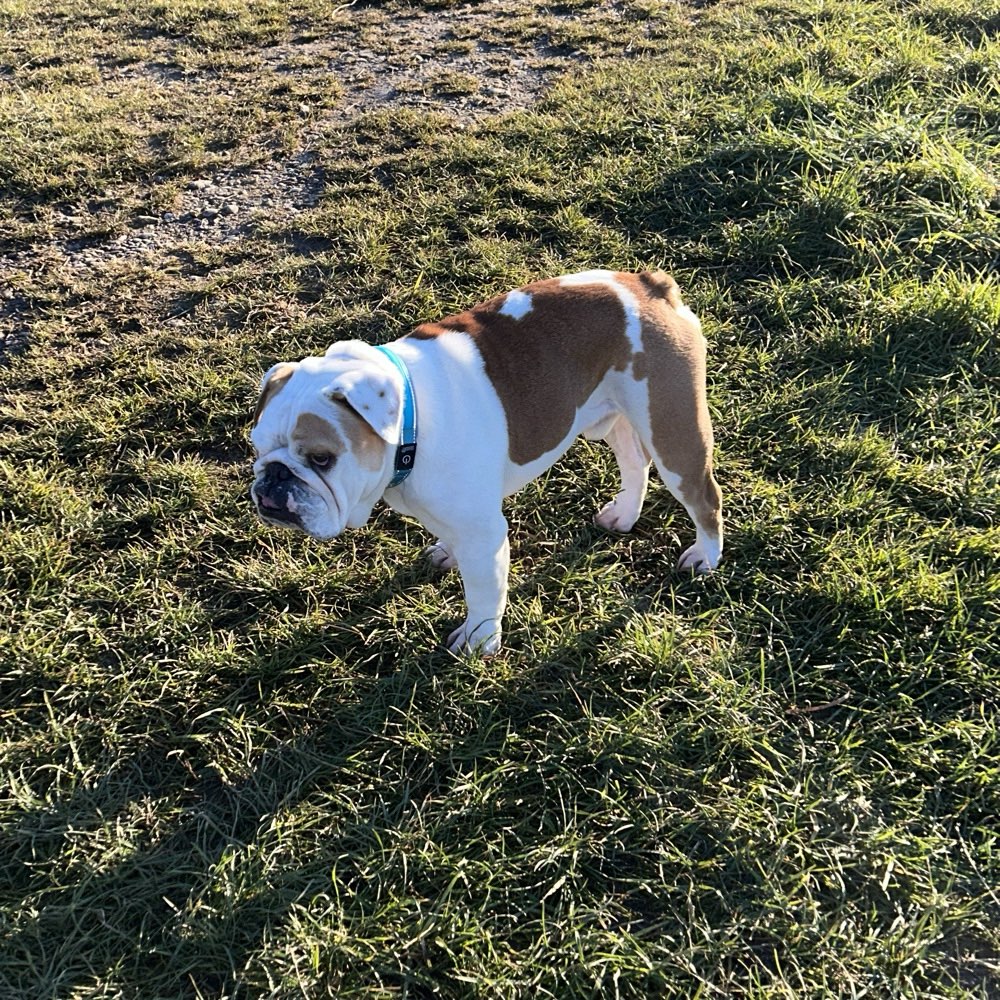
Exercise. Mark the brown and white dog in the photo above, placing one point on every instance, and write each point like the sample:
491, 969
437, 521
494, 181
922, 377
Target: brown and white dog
501, 392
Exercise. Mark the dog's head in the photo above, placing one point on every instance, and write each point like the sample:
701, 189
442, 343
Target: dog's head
323, 433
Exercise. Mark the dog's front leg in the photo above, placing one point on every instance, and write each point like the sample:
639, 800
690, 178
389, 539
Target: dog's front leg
484, 564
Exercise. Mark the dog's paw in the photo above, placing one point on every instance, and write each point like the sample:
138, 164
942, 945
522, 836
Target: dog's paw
614, 517
440, 556
483, 639
697, 559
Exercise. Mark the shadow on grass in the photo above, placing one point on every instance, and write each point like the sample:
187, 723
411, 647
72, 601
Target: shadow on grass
136, 924
162, 908
153, 912
149, 911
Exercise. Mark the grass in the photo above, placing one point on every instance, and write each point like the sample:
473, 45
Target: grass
236, 763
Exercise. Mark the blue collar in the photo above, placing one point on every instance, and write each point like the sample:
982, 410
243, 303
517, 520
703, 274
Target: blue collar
406, 450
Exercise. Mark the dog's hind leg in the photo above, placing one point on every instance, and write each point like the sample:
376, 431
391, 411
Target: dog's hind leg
669, 407
702, 499
621, 513
684, 461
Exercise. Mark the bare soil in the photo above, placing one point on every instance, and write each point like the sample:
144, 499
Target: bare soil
468, 63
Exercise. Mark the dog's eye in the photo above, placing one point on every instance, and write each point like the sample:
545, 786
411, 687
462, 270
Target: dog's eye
323, 461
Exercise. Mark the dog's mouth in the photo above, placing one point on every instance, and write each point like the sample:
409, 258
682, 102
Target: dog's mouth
276, 515
271, 510
285, 500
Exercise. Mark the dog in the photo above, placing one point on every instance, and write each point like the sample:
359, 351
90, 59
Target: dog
458, 414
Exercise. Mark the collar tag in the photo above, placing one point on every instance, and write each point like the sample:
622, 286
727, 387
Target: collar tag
406, 450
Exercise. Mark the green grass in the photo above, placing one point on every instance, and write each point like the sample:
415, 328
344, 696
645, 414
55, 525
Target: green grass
237, 764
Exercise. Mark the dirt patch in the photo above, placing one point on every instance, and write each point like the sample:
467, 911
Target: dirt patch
470, 63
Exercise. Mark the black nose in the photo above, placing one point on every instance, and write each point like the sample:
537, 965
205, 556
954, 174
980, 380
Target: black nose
277, 472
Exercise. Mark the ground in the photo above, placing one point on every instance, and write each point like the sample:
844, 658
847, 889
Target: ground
238, 763
469, 62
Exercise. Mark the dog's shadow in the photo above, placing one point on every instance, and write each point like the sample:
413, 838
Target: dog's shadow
335, 697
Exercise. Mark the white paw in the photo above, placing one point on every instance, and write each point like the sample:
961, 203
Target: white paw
614, 517
483, 639
440, 556
698, 560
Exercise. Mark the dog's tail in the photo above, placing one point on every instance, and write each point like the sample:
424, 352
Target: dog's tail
662, 285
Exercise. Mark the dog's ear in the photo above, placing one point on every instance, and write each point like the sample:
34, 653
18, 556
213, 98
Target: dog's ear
272, 383
373, 396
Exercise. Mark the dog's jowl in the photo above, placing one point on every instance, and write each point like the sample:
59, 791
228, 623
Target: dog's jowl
448, 420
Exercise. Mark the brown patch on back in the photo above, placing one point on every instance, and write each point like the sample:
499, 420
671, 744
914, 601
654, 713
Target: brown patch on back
274, 384
545, 365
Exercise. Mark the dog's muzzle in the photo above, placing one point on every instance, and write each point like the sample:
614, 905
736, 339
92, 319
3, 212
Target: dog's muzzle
274, 494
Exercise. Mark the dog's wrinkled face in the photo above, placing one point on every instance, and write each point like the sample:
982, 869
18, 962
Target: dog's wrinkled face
321, 434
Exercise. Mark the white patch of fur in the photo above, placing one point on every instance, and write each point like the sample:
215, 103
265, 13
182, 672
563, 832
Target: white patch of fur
516, 305
595, 277
672, 482
456, 348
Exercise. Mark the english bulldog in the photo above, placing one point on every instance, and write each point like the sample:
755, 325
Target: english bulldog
448, 420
